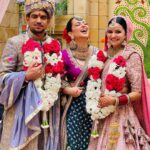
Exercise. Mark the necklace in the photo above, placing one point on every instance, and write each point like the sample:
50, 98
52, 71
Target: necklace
82, 49
81, 54
80, 62
112, 52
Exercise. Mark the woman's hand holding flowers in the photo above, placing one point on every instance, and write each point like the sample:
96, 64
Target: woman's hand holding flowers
72, 91
106, 100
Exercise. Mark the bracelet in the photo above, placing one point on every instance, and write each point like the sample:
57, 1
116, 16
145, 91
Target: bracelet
128, 97
117, 101
124, 99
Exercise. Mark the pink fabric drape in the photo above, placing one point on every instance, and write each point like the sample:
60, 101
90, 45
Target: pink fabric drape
3, 8
142, 108
146, 101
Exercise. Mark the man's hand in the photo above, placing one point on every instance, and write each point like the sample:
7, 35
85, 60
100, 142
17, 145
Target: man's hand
34, 71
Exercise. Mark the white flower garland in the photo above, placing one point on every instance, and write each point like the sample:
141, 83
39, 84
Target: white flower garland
93, 91
52, 84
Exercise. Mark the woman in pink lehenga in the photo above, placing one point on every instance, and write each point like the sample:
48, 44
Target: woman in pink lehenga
124, 86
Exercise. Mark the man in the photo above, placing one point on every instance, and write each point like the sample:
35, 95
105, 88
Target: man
24, 70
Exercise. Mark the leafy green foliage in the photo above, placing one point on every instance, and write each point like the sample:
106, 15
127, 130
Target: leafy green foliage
61, 8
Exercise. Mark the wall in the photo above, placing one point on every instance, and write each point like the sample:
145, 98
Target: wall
95, 12
103, 18
9, 25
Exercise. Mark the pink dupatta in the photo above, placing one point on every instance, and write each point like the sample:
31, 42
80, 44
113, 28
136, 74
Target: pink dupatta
142, 107
146, 101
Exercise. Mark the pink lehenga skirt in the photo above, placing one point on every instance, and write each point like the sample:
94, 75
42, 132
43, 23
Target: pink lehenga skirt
121, 131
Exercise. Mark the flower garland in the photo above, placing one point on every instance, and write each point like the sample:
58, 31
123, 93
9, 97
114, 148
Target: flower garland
114, 84
93, 89
116, 77
54, 66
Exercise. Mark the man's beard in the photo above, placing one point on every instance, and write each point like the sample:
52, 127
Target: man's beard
37, 32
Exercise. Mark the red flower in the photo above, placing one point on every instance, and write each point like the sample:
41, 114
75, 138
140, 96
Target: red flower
120, 84
66, 36
120, 61
53, 47
47, 48
45, 59
59, 67
25, 68
48, 68
110, 82
95, 72
101, 56
114, 83
30, 45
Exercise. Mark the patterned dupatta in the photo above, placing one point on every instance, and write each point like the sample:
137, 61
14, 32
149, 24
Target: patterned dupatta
26, 122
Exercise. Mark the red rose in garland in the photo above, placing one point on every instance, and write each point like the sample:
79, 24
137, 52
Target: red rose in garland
101, 56
95, 72
53, 47
120, 61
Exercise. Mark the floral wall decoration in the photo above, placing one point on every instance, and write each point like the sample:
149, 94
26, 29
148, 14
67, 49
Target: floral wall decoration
138, 12
119, 1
